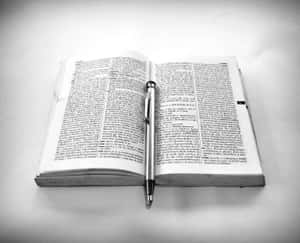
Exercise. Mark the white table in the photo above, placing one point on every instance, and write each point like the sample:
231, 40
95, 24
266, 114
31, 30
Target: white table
265, 37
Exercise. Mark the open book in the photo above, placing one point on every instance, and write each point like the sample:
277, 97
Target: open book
204, 135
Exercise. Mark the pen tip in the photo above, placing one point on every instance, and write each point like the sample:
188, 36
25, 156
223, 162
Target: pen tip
149, 201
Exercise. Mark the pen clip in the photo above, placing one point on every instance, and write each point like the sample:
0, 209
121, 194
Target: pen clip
147, 107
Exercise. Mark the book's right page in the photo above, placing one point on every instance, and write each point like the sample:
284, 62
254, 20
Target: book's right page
204, 130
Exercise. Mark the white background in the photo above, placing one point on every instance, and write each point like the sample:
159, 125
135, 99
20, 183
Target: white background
35, 36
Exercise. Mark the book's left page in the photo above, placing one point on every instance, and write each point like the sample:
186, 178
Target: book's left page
97, 123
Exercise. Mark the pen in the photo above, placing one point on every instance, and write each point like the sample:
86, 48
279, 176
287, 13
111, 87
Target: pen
149, 142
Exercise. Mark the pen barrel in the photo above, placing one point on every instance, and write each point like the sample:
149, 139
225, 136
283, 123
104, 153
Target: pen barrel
150, 135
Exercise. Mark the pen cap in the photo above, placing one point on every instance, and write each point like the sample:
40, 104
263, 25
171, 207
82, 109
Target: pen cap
150, 84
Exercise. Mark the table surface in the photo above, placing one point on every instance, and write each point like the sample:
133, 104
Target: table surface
35, 36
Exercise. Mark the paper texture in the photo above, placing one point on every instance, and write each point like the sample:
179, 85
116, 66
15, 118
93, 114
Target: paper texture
202, 121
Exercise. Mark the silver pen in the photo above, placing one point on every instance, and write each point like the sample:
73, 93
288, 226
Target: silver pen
150, 142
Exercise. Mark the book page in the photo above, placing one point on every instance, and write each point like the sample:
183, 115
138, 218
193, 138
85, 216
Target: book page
203, 124
98, 120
